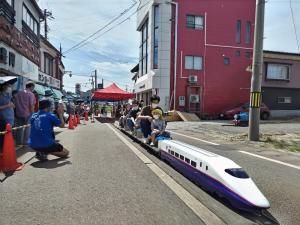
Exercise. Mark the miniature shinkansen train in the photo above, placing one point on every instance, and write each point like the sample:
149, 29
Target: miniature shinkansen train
214, 173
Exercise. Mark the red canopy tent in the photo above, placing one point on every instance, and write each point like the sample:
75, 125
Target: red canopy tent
112, 93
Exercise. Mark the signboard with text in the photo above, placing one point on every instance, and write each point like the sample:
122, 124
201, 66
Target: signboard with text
50, 81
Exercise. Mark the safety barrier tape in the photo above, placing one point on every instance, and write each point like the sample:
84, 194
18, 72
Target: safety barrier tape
15, 128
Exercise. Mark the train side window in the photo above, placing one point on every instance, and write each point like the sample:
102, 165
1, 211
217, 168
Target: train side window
187, 160
206, 167
200, 164
181, 157
194, 164
169, 151
172, 152
176, 155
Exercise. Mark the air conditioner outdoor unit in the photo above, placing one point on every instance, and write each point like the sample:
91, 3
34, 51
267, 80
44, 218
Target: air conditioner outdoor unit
194, 98
193, 79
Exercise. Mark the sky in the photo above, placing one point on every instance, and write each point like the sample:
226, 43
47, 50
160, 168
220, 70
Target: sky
116, 52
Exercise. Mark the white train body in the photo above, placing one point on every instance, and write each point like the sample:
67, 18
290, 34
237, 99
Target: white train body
215, 173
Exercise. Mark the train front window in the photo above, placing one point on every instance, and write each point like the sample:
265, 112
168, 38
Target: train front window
238, 173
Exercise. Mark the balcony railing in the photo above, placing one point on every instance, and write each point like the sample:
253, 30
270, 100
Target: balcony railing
7, 11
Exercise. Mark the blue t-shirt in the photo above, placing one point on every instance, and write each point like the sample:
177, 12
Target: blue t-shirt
42, 124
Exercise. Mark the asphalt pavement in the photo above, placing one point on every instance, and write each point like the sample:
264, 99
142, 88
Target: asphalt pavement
106, 182
102, 182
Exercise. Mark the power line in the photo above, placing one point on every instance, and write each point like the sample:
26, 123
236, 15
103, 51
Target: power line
118, 24
101, 29
295, 29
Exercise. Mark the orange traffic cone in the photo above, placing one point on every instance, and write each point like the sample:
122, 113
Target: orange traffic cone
75, 121
78, 119
71, 124
8, 161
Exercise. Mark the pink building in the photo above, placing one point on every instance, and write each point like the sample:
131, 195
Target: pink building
205, 45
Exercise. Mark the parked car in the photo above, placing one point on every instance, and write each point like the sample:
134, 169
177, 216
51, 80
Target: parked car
229, 114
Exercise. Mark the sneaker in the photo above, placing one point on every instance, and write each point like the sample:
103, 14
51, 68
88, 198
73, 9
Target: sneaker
152, 144
41, 156
145, 140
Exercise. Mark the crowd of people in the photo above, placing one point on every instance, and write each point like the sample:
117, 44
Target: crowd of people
35, 118
149, 120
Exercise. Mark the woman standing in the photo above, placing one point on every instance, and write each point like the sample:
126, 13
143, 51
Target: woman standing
6, 105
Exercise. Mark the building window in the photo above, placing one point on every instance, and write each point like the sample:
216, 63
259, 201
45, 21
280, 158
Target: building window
48, 64
12, 59
195, 22
277, 71
156, 37
248, 32
284, 100
144, 49
30, 21
193, 63
237, 53
248, 55
226, 61
238, 32
3, 55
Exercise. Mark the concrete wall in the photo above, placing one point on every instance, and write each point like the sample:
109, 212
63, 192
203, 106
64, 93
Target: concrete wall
156, 80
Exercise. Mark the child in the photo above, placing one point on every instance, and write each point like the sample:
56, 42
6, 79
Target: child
158, 125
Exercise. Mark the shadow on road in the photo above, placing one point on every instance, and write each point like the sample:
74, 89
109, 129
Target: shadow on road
51, 164
105, 119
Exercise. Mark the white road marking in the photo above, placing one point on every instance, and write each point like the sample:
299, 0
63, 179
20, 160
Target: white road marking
271, 160
208, 217
198, 139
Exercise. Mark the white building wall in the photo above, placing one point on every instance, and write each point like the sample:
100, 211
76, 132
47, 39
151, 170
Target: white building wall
157, 79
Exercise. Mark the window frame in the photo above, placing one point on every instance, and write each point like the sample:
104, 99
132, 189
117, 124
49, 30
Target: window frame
11, 59
155, 35
144, 48
267, 64
48, 64
238, 32
226, 61
248, 35
29, 20
284, 102
193, 59
3, 55
193, 25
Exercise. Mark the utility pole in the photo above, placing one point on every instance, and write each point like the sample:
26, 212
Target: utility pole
255, 97
47, 14
96, 81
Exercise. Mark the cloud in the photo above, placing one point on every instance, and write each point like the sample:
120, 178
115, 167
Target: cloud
116, 52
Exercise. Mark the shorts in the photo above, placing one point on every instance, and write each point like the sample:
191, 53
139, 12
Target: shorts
56, 147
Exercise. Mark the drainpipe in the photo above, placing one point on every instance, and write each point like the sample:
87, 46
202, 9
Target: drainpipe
175, 54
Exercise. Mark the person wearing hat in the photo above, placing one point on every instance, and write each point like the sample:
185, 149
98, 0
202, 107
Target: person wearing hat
49, 96
25, 102
6, 105
158, 125
41, 137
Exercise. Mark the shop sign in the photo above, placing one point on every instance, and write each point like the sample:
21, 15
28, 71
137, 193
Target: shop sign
48, 80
